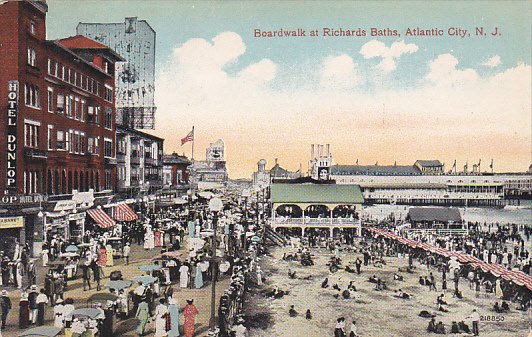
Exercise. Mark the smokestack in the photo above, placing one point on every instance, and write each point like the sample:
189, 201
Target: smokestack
312, 152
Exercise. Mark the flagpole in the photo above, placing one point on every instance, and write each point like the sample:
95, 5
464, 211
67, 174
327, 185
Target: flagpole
193, 138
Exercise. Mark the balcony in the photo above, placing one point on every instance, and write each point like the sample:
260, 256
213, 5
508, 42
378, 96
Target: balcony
110, 161
120, 158
150, 161
134, 160
35, 154
314, 222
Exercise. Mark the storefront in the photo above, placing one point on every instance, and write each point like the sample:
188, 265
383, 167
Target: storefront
11, 231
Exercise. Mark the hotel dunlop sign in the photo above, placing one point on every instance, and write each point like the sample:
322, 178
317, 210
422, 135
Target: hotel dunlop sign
12, 114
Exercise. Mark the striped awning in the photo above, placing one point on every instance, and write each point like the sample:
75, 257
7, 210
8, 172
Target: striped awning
124, 213
101, 218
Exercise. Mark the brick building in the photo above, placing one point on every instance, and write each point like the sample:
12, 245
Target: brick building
57, 108
175, 169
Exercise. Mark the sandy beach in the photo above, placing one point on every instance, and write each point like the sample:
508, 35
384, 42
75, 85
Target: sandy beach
377, 313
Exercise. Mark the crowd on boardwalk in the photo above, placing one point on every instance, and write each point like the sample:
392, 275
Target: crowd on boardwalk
183, 242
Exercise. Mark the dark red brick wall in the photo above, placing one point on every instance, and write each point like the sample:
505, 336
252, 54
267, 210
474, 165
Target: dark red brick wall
15, 38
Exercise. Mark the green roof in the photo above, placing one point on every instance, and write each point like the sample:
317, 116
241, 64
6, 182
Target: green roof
316, 193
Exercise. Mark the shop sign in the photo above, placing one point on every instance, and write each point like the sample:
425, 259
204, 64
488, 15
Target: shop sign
11, 143
12, 222
22, 199
64, 205
76, 216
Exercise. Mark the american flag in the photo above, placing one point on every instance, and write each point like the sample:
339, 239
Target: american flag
188, 138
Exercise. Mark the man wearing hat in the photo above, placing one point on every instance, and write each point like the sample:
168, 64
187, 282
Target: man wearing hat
59, 313
32, 299
5, 303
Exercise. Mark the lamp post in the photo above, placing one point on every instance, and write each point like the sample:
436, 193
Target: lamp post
215, 205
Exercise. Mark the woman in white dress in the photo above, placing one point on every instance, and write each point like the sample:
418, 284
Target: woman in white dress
160, 319
183, 276
45, 257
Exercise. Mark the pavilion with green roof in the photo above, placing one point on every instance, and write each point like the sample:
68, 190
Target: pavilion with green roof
316, 206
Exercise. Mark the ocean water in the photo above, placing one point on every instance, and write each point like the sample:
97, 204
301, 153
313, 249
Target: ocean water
521, 215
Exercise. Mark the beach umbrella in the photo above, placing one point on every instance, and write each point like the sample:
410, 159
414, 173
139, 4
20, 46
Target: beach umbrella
144, 279
149, 267
92, 313
71, 249
69, 254
119, 284
41, 331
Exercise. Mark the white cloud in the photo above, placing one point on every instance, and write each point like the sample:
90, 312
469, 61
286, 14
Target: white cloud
443, 70
338, 71
493, 61
262, 71
437, 118
389, 55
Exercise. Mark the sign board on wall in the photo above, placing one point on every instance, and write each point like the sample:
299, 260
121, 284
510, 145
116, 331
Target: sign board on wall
12, 222
11, 143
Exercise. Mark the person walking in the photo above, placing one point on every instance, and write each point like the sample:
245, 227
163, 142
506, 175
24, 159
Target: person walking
42, 300
109, 259
183, 276
161, 312
198, 280
86, 275
97, 271
126, 252
190, 311
24, 311
32, 299
475, 319
142, 314
5, 302
173, 311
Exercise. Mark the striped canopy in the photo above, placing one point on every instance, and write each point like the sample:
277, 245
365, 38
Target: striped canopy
516, 276
101, 218
124, 213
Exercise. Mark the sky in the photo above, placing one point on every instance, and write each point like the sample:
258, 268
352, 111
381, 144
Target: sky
456, 96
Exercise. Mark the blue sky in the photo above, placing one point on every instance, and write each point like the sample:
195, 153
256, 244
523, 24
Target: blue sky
369, 91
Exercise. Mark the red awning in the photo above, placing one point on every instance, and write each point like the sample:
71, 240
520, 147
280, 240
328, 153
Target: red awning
124, 213
102, 219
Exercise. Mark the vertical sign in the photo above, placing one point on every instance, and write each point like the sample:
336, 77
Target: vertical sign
11, 153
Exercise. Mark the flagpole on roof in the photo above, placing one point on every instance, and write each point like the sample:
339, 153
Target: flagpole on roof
193, 138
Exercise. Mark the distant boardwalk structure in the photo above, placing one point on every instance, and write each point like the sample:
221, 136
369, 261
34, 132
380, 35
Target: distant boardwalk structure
326, 206
442, 220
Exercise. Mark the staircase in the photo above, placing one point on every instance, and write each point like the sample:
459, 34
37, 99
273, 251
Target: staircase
275, 238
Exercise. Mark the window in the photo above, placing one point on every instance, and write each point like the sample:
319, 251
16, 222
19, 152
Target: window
90, 145
33, 27
50, 99
50, 137
97, 114
31, 134
69, 100
82, 143
108, 147
108, 118
77, 142
60, 143
82, 110
108, 179
60, 103
31, 96
90, 114
108, 95
71, 141
31, 57
76, 108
